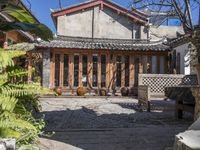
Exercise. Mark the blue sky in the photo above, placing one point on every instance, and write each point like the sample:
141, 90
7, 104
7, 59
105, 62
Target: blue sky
41, 9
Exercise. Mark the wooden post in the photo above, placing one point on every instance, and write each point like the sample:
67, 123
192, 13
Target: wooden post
99, 71
61, 69
107, 70
140, 64
71, 71
132, 71
80, 70
53, 71
90, 70
123, 72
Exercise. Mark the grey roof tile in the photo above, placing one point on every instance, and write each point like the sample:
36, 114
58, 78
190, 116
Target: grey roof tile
104, 44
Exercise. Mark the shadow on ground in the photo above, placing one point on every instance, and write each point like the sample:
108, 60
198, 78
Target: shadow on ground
87, 129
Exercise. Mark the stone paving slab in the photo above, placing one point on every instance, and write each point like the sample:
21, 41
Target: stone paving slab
111, 123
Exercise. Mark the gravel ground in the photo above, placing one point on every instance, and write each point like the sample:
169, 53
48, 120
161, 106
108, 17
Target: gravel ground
111, 123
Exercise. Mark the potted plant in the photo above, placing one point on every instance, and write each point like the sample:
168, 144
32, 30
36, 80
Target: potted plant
81, 91
58, 91
102, 92
124, 91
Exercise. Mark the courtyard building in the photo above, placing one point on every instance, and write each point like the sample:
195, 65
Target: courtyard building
100, 44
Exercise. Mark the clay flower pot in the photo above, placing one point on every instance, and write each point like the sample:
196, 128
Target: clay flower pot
58, 91
102, 92
81, 91
124, 91
197, 66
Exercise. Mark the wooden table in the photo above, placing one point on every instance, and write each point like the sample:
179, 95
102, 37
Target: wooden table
185, 98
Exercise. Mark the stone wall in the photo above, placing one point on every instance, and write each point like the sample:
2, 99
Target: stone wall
97, 23
195, 92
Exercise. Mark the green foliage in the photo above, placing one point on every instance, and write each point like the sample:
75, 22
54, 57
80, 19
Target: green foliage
24, 21
18, 102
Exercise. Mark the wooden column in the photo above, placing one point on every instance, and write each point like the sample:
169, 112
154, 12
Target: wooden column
99, 71
52, 71
132, 71
140, 64
158, 64
149, 67
71, 71
90, 70
107, 70
61, 69
113, 71
123, 72
80, 70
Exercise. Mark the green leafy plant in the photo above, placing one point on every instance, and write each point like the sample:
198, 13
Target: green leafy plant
18, 102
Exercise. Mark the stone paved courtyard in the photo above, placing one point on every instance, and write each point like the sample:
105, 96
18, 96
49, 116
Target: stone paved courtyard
110, 124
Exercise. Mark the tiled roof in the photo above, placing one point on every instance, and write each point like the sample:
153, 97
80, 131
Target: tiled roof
104, 44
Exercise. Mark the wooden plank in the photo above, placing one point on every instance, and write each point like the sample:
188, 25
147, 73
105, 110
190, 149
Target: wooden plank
132, 71
53, 70
123, 72
80, 70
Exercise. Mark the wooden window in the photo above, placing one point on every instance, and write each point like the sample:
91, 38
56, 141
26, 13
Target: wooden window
66, 70
119, 70
127, 72
103, 70
85, 68
57, 69
95, 71
76, 70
